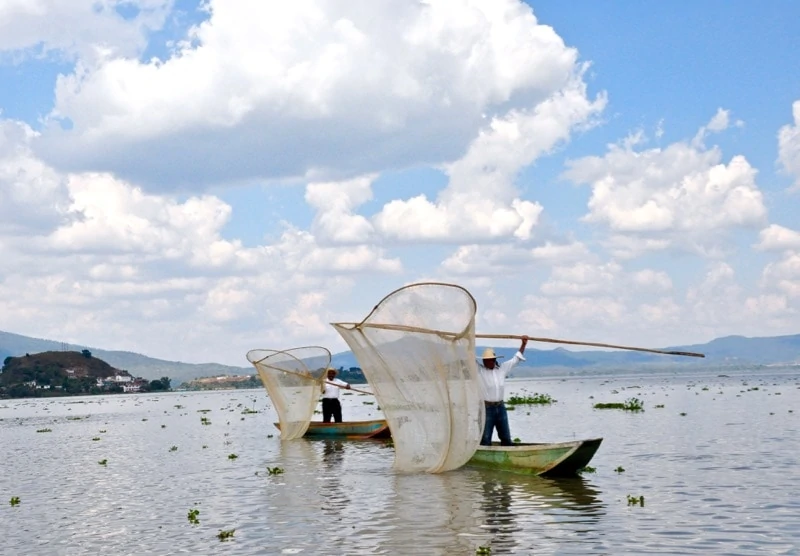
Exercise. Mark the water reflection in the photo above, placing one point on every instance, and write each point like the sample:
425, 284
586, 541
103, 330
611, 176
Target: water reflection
523, 513
498, 515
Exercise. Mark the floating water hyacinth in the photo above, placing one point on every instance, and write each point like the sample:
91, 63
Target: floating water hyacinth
226, 534
536, 399
192, 516
632, 404
14, 500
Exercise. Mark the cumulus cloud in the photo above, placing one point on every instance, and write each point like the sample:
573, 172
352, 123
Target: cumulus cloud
683, 196
479, 202
478, 260
778, 238
319, 90
335, 221
87, 29
122, 268
789, 146
25, 181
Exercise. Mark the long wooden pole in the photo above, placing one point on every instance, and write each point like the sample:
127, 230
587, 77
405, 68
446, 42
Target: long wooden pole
594, 344
446, 334
351, 388
308, 377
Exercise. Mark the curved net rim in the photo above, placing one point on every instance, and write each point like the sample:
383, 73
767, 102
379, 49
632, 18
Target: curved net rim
405, 328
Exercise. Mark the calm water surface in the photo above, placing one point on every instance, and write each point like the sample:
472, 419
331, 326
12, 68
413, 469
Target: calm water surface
717, 466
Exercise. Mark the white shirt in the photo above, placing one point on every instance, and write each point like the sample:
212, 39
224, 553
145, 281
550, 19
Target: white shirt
332, 391
493, 380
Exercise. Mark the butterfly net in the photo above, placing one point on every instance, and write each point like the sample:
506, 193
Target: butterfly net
416, 349
293, 380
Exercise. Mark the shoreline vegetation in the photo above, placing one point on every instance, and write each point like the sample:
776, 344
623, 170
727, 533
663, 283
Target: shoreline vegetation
53, 374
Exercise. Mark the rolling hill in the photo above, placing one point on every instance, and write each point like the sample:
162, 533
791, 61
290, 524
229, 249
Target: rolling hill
729, 351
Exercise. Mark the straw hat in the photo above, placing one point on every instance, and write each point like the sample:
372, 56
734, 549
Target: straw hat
329, 369
488, 353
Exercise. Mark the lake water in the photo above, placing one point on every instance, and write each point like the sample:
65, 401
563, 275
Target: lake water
718, 467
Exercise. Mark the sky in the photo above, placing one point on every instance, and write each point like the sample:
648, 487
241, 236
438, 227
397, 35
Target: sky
191, 180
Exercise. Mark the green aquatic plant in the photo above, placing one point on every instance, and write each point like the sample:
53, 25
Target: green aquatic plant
173, 449
232, 456
275, 470
203, 410
14, 500
102, 431
631, 404
225, 535
248, 411
536, 399
74, 418
660, 406
205, 421
517, 440
270, 435
103, 462
163, 426
96, 438
45, 430
367, 403
192, 516
635, 500
483, 550
205, 446
619, 469
682, 414
587, 469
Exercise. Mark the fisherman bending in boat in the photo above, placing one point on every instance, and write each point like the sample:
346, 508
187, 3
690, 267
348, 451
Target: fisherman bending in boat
493, 379
330, 397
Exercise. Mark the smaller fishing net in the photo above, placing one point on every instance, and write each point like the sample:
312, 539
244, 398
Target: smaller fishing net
416, 349
293, 380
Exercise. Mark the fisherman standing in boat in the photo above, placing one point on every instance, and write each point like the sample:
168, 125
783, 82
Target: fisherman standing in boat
330, 397
493, 379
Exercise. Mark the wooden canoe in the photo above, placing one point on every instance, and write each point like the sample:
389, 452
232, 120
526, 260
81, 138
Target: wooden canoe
353, 430
556, 459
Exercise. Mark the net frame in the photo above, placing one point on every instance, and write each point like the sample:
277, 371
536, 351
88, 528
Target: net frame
435, 410
293, 387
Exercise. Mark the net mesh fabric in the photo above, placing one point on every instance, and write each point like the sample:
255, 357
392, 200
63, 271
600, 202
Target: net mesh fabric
416, 349
293, 380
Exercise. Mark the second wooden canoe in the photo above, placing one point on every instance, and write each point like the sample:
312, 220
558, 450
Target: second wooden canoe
550, 459
353, 430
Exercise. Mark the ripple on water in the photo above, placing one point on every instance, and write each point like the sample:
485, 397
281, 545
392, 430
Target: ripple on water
706, 490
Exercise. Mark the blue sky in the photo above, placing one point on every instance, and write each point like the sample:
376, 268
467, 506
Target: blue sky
193, 183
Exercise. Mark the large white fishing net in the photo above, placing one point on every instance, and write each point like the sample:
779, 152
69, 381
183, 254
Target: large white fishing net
416, 349
293, 380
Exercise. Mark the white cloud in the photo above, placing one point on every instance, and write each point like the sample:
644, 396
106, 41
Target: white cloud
334, 202
483, 260
783, 276
720, 121
479, 204
682, 196
315, 90
24, 182
789, 146
778, 238
86, 28
120, 268
582, 279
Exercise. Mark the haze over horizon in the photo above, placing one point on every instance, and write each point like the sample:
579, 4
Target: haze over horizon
191, 180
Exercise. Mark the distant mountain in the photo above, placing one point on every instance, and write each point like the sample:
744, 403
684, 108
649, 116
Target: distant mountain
16, 345
721, 352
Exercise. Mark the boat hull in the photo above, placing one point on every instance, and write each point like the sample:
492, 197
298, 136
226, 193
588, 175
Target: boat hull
554, 459
353, 430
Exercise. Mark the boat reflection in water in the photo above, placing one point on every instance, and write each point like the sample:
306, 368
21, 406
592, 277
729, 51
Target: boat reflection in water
526, 513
